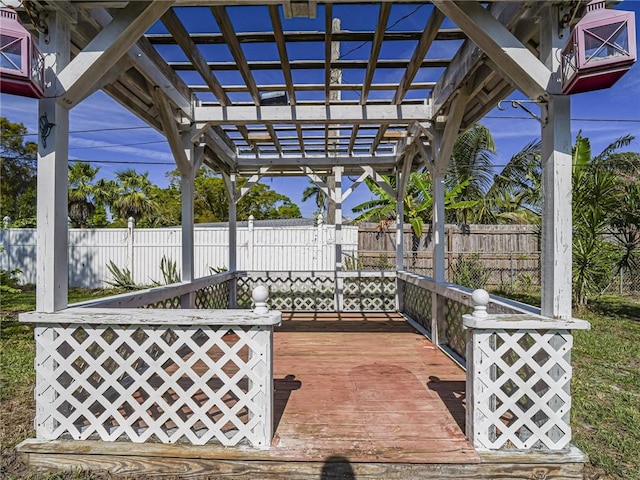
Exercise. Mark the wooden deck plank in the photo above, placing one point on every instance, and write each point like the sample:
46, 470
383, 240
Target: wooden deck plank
365, 390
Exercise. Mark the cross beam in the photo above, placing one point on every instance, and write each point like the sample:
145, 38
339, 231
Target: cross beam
509, 54
81, 77
317, 114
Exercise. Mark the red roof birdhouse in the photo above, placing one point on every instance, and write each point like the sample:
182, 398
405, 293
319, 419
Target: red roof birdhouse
600, 50
21, 63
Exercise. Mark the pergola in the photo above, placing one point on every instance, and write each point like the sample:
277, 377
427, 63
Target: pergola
503, 47
324, 116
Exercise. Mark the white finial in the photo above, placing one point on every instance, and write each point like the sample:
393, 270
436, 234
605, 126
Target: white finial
320, 219
260, 294
251, 219
480, 299
6, 221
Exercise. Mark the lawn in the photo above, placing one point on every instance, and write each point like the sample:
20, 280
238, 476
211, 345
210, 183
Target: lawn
606, 386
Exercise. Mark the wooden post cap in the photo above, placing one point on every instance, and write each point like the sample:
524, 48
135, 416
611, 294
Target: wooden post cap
480, 299
260, 294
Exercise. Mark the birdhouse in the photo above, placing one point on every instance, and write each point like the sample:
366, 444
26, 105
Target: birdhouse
21, 63
600, 50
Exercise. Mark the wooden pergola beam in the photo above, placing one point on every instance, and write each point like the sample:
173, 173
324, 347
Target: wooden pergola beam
171, 131
417, 58
296, 37
413, 67
256, 65
451, 130
227, 30
190, 49
328, 23
216, 143
312, 114
81, 77
383, 18
491, 35
317, 162
145, 59
315, 87
279, 38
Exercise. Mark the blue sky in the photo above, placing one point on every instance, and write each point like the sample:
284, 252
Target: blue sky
602, 116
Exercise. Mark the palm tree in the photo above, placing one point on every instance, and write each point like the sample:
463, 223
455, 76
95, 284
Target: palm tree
600, 207
133, 196
472, 159
314, 191
516, 193
418, 202
86, 194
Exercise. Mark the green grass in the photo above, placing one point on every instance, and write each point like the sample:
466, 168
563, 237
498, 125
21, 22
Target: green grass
606, 386
16, 339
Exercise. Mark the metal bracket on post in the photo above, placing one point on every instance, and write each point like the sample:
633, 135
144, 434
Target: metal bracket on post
543, 120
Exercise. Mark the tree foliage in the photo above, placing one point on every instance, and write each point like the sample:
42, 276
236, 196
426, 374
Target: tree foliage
606, 218
18, 174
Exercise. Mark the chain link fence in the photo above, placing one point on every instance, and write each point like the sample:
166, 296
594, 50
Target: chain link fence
513, 271
625, 283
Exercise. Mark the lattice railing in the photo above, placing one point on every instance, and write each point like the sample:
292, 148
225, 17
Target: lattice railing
168, 303
321, 291
518, 380
417, 304
210, 292
143, 376
213, 296
453, 334
452, 302
287, 292
368, 294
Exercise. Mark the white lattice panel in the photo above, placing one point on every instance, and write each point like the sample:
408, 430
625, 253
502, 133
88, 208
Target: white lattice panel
521, 396
312, 293
369, 294
192, 384
417, 304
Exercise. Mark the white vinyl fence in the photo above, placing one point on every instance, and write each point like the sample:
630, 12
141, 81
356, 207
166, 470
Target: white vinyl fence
140, 250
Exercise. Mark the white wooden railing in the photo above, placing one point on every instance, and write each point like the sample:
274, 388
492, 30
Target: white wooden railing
109, 370
518, 362
437, 310
212, 292
518, 379
193, 376
330, 291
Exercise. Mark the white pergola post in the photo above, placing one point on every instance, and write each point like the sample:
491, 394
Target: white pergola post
230, 184
53, 153
557, 241
438, 256
438, 228
337, 196
443, 142
187, 191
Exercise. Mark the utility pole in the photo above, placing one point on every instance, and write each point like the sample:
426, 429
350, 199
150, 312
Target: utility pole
334, 95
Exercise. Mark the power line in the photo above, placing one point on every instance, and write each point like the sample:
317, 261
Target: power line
120, 162
358, 47
600, 120
113, 129
117, 145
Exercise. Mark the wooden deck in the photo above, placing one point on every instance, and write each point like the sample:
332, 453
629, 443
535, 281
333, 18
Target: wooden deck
357, 396
368, 388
